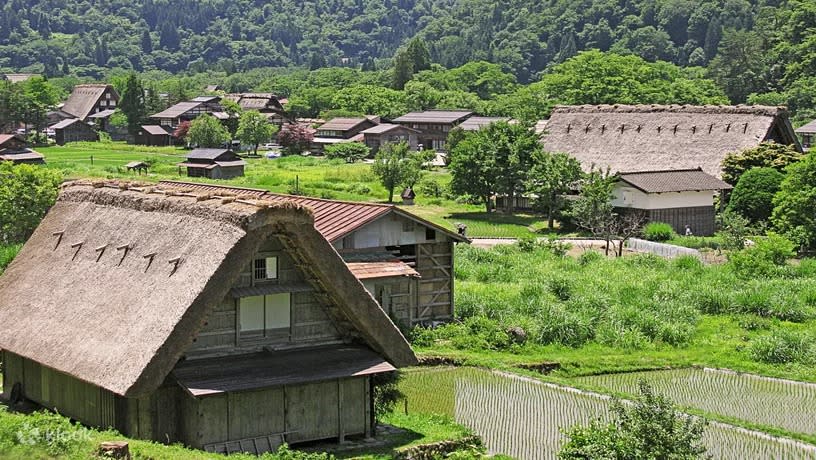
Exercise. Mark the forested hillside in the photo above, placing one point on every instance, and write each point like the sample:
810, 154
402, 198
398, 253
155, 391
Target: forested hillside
756, 51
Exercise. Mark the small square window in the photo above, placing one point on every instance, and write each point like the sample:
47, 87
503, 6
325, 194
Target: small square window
430, 234
265, 268
408, 226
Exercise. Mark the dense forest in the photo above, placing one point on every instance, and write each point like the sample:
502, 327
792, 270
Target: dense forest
755, 51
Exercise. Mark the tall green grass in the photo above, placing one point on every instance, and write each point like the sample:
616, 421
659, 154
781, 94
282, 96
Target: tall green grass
507, 298
7, 254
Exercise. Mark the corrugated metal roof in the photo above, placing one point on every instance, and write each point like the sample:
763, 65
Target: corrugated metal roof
206, 154
177, 110
7, 137
30, 155
204, 377
371, 270
476, 123
102, 114
154, 130
64, 123
434, 116
809, 128
342, 124
682, 180
385, 127
198, 165
227, 164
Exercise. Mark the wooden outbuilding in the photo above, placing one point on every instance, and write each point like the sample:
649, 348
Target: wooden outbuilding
434, 126
214, 164
153, 135
380, 233
682, 198
211, 320
14, 148
340, 130
74, 130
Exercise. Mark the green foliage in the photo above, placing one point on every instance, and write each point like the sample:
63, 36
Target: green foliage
783, 346
794, 204
52, 433
738, 68
26, 194
394, 165
649, 429
348, 151
132, 103
207, 132
764, 258
753, 196
550, 179
658, 231
733, 230
493, 160
765, 155
7, 254
386, 392
254, 129
592, 211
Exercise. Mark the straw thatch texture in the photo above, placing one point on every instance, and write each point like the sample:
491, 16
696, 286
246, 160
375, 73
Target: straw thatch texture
120, 318
654, 137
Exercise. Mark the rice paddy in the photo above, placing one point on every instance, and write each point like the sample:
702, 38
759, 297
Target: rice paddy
523, 418
759, 400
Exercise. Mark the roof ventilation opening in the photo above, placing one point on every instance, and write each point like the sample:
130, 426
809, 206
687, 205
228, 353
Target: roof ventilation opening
100, 250
78, 246
659, 128
59, 238
175, 262
126, 249
149, 258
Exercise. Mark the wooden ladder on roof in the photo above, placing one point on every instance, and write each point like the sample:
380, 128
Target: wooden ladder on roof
256, 446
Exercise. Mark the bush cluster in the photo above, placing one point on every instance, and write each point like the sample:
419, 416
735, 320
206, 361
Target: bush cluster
658, 231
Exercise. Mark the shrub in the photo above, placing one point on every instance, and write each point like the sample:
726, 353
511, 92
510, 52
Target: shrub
658, 231
650, 428
431, 187
588, 257
7, 254
733, 230
783, 346
687, 262
763, 258
753, 196
360, 189
26, 193
348, 151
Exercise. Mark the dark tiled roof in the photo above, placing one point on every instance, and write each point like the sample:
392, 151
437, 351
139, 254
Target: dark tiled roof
385, 127
682, 180
65, 123
342, 124
177, 110
809, 128
476, 123
154, 130
206, 154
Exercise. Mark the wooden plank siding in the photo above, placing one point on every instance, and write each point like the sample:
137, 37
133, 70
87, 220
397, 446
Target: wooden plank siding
434, 262
310, 323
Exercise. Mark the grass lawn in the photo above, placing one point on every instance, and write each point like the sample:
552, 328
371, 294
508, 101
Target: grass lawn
312, 176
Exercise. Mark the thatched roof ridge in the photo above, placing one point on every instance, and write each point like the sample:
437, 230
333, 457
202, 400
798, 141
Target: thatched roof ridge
663, 137
762, 110
117, 280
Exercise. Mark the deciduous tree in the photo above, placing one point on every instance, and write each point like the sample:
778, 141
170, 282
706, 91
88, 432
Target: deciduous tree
394, 166
254, 129
207, 131
754, 193
765, 155
26, 194
795, 202
550, 178
295, 138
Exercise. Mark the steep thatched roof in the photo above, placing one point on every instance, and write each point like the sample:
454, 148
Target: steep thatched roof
84, 98
655, 137
116, 281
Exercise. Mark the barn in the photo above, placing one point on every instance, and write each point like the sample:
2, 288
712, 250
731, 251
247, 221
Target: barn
404, 261
221, 322
74, 130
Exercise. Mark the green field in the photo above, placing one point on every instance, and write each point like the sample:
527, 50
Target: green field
312, 176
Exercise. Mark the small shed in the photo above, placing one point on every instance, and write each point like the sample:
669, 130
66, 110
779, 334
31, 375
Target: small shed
683, 197
14, 148
807, 134
153, 135
214, 164
74, 130
408, 196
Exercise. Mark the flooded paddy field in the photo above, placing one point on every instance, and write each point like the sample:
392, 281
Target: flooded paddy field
524, 418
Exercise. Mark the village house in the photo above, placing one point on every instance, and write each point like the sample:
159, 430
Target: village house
339, 130
807, 134
477, 123
386, 133
265, 103
91, 99
74, 130
433, 126
17, 77
404, 261
153, 135
14, 148
660, 137
213, 164
222, 323
682, 198
188, 111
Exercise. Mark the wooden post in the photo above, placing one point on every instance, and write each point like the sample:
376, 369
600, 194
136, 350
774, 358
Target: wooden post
115, 449
91, 160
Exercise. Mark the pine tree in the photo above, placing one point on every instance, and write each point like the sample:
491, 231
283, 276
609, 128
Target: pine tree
147, 42
133, 103
418, 53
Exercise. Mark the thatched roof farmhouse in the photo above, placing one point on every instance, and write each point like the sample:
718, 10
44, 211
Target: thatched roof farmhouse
216, 320
663, 137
